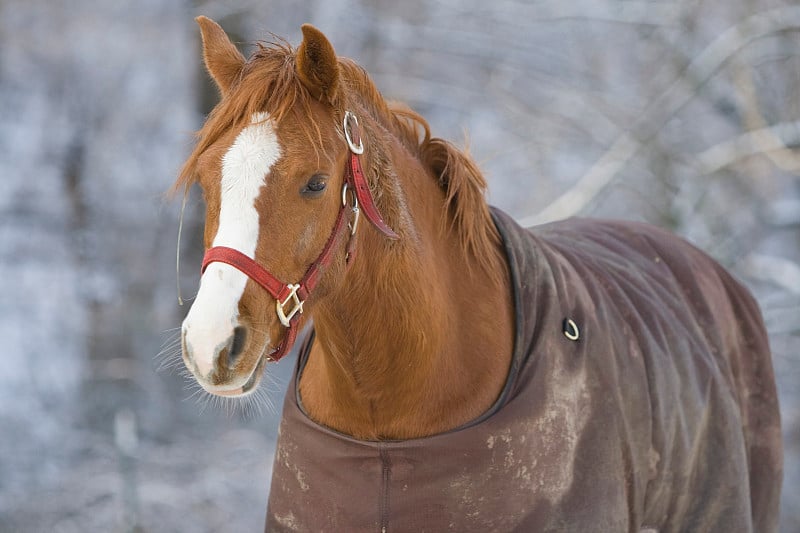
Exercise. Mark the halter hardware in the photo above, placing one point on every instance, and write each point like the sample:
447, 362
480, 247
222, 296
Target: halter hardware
296, 294
297, 305
349, 117
356, 211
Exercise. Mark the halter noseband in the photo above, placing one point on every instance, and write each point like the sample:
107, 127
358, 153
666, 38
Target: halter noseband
295, 294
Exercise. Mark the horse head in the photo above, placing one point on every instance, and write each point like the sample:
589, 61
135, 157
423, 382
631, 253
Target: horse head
278, 164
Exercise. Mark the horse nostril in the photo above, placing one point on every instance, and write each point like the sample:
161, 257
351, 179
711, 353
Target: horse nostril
227, 355
239, 338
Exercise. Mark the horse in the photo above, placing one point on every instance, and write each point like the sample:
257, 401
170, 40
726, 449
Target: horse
459, 372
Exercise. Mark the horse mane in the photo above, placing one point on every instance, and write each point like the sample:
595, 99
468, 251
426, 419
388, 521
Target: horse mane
269, 81
456, 172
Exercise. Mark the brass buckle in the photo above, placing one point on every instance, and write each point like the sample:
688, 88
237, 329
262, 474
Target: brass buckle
297, 305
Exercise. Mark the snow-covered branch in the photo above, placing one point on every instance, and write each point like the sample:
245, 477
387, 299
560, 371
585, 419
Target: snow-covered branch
762, 141
666, 106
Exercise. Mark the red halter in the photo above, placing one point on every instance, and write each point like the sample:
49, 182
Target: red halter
295, 294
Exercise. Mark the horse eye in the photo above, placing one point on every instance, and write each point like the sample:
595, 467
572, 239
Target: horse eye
316, 184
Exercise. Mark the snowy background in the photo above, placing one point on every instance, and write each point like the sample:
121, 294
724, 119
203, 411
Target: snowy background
682, 113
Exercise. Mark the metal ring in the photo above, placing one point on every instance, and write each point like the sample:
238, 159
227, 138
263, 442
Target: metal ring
344, 197
356, 149
570, 329
356, 210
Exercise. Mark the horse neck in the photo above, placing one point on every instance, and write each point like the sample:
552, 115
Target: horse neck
418, 339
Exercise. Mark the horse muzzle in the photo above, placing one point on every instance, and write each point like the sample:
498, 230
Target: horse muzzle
226, 368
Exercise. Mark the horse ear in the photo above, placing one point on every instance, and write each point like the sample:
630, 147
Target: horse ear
317, 65
223, 61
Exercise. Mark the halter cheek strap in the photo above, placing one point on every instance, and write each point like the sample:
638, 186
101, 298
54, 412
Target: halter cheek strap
290, 297
354, 176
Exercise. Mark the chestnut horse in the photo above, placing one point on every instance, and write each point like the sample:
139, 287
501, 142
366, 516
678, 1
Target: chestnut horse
463, 373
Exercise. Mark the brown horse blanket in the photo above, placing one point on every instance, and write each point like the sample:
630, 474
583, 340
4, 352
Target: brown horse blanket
662, 415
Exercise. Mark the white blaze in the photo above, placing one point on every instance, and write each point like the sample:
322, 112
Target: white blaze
245, 166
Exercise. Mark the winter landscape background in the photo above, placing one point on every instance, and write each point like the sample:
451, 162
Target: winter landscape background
683, 113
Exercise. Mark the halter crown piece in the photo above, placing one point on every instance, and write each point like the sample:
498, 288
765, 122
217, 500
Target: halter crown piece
294, 295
